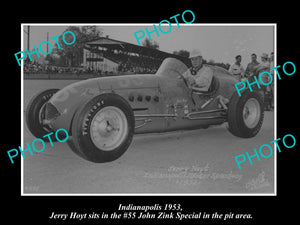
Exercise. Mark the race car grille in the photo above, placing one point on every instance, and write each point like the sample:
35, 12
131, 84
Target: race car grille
51, 112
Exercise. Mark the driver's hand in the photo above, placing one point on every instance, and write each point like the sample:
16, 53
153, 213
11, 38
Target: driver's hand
191, 81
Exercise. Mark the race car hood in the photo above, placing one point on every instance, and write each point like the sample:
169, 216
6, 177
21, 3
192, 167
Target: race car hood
61, 108
76, 93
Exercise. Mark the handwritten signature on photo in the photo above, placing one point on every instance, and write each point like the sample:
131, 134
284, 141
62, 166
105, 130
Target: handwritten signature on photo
259, 182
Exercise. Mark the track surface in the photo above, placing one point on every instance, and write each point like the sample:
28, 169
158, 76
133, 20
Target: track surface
182, 162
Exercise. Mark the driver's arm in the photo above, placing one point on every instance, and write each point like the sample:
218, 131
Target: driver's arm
185, 74
204, 81
189, 78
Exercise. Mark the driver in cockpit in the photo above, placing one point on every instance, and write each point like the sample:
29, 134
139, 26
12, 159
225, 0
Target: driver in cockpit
199, 76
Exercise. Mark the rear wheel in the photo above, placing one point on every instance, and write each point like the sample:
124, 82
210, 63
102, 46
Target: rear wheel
34, 113
102, 129
245, 114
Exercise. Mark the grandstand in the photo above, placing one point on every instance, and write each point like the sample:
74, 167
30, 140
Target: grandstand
102, 57
118, 57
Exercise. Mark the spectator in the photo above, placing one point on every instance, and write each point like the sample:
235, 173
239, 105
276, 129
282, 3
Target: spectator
272, 62
237, 69
263, 66
251, 66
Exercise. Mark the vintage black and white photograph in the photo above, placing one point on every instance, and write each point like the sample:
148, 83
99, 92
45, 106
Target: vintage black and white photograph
148, 109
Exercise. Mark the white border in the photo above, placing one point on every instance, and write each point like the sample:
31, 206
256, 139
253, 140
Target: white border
154, 194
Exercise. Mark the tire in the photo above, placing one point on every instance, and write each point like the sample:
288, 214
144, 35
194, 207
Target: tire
102, 129
33, 114
245, 114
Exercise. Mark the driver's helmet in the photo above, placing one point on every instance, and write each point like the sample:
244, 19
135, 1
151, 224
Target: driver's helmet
195, 53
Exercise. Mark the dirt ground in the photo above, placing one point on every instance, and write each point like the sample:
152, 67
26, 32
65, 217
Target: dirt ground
181, 162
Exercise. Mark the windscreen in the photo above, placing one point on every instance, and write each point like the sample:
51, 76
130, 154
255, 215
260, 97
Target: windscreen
171, 67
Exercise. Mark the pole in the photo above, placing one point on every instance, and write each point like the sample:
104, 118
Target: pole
28, 37
47, 41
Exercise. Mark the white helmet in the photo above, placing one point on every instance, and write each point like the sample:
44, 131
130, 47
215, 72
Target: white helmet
195, 53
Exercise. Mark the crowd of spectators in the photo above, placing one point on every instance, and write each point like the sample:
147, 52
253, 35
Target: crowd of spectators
253, 69
134, 63
128, 63
35, 67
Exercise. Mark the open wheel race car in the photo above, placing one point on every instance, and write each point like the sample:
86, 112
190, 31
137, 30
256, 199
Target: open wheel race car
102, 114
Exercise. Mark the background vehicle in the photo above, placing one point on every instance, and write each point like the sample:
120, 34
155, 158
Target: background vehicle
102, 114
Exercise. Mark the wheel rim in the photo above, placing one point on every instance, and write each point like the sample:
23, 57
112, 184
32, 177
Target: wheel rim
41, 113
251, 113
108, 128
42, 117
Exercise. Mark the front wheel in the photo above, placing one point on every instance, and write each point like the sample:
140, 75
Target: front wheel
34, 113
102, 129
245, 114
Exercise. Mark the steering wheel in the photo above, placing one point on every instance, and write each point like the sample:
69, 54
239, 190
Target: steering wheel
184, 80
189, 89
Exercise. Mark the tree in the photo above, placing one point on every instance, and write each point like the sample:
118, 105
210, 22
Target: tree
150, 44
72, 55
182, 52
211, 61
50, 59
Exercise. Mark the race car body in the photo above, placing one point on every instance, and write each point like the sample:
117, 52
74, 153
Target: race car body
102, 114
